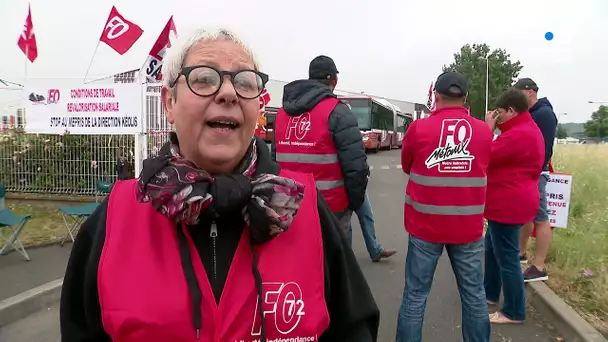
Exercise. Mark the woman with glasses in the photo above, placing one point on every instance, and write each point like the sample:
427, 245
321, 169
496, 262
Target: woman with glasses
214, 242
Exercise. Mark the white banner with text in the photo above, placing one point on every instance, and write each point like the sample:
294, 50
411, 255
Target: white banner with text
559, 189
83, 109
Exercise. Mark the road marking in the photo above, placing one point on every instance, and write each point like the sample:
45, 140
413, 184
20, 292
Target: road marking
385, 167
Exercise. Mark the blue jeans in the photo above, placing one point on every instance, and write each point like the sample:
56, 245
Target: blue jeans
502, 269
365, 215
420, 265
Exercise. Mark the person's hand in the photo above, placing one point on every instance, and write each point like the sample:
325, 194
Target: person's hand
491, 118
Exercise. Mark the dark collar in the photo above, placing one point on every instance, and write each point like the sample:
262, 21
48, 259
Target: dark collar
265, 162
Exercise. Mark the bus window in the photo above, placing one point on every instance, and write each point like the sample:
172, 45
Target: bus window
361, 109
383, 118
400, 123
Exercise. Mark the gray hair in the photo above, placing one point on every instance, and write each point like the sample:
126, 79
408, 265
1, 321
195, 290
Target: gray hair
176, 55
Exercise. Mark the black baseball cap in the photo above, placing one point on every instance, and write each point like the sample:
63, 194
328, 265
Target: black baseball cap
322, 68
526, 84
452, 84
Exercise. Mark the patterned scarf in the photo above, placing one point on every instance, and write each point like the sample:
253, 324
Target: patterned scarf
178, 189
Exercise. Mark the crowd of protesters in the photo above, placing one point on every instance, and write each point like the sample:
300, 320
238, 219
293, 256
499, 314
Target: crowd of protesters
220, 239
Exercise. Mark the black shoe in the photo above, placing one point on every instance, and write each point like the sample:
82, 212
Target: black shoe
534, 274
523, 259
387, 253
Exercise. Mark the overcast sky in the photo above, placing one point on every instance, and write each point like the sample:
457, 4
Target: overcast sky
391, 48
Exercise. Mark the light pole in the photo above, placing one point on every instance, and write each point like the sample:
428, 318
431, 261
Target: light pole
599, 120
487, 82
487, 79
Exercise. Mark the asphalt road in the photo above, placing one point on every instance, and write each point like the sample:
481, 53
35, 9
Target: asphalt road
386, 191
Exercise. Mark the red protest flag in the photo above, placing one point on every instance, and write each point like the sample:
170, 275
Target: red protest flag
264, 99
119, 33
154, 62
27, 39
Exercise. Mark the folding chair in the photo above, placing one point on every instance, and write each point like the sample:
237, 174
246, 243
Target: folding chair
103, 189
11, 227
73, 216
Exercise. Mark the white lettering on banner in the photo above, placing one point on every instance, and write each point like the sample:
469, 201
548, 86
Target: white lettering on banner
300, 125
558, 190
452, 154
116, 23
285, 302
115, 109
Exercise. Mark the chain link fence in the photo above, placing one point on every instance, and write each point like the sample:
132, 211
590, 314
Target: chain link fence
73, 164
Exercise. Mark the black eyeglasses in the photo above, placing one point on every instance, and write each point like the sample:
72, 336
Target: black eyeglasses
205, 81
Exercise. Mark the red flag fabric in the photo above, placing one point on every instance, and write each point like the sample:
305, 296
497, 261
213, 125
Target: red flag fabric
154, 62
264, 99
27, 40
119, 33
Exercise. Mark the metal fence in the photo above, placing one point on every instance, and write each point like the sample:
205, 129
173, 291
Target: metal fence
73, 164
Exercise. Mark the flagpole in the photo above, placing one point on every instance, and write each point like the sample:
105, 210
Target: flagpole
142, 74
91, 62
27, 50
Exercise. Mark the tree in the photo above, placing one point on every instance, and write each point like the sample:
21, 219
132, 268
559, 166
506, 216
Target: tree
597, 126
561, 132
471, 62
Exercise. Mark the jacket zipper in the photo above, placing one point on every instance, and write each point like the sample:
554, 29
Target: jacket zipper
213, 235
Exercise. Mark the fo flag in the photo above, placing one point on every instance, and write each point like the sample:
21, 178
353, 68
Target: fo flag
264, 99
27, 40
430, 103
119, 33
154, 63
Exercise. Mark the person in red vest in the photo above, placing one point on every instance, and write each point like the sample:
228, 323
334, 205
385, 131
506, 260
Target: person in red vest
512, 200
316, 133
214, 241
446, 157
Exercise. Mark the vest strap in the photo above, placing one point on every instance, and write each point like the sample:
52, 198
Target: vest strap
449, 210
307, 158
458, 182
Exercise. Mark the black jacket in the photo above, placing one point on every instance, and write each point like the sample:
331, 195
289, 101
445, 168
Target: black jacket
546, 120
302, 96
354, 316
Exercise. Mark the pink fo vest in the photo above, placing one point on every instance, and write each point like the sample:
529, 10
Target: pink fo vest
144, 296
304, 144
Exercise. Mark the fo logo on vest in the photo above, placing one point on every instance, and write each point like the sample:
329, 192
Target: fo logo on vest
283, 301
452, 154
299, 126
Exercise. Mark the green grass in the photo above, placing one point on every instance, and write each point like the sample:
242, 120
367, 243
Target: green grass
578, 260
44, 227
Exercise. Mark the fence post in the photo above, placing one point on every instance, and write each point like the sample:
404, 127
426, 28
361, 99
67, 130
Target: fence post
141, 138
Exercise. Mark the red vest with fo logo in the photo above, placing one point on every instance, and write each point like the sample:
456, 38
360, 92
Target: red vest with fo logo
304, 144
446, 190
144, 295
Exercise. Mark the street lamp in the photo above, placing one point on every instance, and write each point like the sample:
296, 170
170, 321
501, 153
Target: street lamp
487, 79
